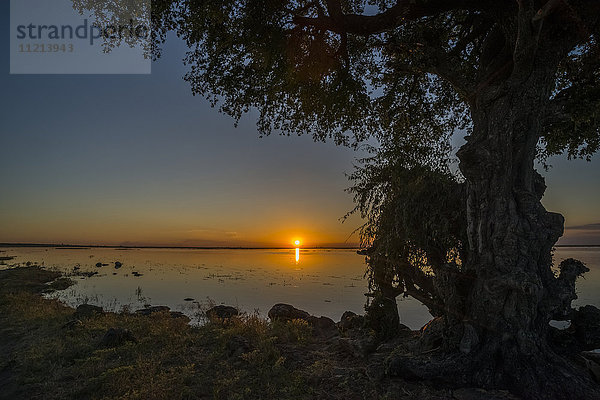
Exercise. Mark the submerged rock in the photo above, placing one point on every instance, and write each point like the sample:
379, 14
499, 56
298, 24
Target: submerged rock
222, 312
87, 311
116, 337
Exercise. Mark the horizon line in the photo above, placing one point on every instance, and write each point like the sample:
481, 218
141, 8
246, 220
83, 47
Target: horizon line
82, 246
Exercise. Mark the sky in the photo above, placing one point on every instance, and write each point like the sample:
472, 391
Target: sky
138, 160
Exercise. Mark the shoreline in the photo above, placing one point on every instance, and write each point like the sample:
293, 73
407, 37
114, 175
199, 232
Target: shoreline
56, 352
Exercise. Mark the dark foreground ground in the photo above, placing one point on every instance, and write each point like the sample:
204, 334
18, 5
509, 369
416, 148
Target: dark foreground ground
51, 351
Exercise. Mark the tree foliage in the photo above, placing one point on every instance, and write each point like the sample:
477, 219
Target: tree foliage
361, 68
572, 124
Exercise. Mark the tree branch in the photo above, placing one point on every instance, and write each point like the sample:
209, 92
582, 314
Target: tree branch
526, 43
403, 10
436, 60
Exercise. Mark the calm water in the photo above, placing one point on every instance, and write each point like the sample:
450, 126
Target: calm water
322, 282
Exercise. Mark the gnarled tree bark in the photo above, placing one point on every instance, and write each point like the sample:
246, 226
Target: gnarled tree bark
511, 236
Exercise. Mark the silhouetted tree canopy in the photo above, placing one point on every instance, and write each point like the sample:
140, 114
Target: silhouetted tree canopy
353, 69
325, 68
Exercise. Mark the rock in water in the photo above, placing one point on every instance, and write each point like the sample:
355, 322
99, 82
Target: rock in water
286, 312
98, 265
116, 337
118, 264
222, 312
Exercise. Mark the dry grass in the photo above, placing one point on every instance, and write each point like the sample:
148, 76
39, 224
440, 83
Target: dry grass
243, 358
171, 359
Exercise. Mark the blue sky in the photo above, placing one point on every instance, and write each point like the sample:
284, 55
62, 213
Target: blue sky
136, 159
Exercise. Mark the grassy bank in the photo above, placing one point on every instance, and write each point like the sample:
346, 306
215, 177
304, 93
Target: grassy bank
50, 352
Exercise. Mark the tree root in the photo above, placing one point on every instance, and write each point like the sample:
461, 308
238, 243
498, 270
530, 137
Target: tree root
540, 376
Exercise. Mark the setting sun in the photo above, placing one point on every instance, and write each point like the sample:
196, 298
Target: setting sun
297, 243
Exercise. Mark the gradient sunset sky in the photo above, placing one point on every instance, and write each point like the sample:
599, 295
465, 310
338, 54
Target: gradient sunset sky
101, 159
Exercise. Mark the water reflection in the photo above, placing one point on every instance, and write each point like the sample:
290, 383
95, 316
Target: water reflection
329, 282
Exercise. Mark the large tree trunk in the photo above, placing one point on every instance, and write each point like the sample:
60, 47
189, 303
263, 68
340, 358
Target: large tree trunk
511, 237
497, 307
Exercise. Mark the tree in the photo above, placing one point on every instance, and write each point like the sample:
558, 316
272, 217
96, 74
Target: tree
519, 76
